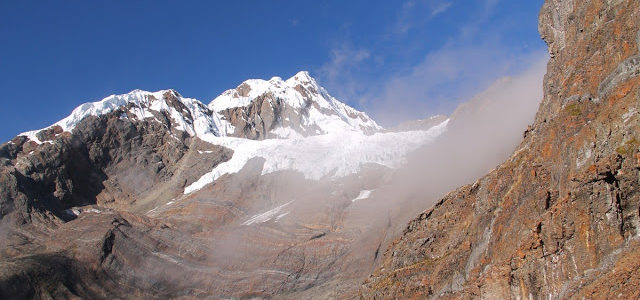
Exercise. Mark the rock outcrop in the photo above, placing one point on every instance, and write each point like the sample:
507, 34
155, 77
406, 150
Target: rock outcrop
561, 217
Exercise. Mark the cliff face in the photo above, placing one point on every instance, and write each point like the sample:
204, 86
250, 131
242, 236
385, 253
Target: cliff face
561, 217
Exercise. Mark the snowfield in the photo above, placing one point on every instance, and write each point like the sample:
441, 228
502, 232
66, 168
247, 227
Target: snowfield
337, 155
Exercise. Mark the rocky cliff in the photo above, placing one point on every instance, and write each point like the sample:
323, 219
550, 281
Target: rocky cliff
561, 217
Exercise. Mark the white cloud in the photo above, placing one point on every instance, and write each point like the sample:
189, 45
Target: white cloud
440, 8
443, 79
481, 134
404, 21
340, 70
413, 12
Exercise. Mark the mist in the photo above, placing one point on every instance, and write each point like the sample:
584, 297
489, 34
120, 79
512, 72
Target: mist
482, 133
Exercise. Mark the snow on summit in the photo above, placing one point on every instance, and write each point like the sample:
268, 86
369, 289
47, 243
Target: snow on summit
252, 88
191, 116
302, 93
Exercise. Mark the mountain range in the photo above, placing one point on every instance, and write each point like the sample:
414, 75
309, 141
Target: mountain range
256, 193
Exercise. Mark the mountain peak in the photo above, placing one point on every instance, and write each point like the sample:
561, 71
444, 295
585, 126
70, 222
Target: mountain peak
252, 88
302, 76
298, 105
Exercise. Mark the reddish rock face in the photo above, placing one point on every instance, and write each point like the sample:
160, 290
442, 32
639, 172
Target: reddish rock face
561, 217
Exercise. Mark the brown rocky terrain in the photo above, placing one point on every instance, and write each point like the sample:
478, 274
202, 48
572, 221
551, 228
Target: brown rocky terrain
560, 218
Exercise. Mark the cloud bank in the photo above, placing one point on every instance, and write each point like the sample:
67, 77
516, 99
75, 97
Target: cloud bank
482, 133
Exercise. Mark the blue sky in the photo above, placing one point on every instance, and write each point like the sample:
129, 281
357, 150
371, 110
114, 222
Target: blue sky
395, 60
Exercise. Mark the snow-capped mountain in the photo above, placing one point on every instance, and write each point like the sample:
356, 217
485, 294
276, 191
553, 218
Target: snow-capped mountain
292, 124
246, 182
281, 108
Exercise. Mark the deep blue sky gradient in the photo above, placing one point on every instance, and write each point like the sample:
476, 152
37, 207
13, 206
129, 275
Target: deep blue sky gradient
56, 55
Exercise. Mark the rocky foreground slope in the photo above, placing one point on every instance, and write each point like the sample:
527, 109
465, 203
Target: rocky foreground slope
560, 218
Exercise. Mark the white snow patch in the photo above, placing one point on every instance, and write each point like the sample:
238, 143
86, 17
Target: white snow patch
76, 211
364, 194
626, 116
268, 215
281, 216
31, 135
72, 211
